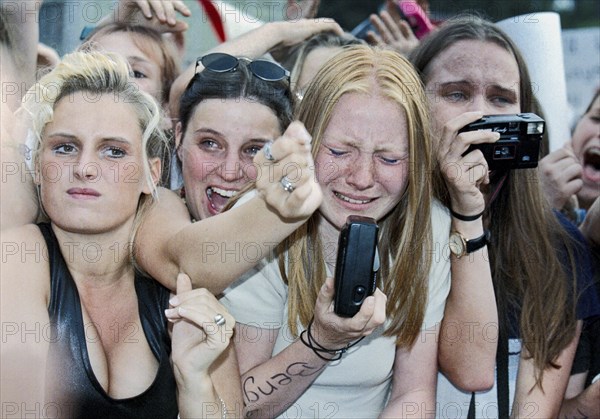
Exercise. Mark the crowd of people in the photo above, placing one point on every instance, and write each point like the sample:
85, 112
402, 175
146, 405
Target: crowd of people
170, 234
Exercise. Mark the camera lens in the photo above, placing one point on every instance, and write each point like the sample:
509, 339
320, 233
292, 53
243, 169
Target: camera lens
504, 152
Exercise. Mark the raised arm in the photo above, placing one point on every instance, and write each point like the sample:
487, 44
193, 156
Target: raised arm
560, 173
18, 198
24, 290
471, 306
157, 13
255, 43
217, 250
18, 55
18, 47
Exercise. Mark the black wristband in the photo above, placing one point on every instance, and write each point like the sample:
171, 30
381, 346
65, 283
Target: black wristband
310, 342
465, 217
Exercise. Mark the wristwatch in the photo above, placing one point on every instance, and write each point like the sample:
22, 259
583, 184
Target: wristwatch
460, 246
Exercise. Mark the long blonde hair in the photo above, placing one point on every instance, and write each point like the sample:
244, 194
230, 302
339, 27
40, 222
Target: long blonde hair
405, 233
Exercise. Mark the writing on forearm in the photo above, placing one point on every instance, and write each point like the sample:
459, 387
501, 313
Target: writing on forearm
253, 391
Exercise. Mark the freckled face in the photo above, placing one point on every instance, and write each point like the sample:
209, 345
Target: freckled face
362, 162
472, 76
586, 145
217, 150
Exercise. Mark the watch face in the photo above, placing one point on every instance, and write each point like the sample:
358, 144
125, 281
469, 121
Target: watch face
456, 244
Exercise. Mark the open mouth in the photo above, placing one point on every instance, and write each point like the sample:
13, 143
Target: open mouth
218, 197
591, 164
351, 200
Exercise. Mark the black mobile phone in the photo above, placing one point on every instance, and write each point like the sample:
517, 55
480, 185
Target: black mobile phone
357, 264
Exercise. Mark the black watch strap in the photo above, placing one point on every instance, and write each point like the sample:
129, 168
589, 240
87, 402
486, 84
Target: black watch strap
477, 243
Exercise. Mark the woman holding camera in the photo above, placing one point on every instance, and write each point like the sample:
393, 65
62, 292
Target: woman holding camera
372, 152
540, 266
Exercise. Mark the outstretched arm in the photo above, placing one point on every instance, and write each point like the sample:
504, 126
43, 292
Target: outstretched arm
256, 43
217, 250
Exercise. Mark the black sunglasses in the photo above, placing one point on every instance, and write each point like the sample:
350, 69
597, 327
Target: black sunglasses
219, 62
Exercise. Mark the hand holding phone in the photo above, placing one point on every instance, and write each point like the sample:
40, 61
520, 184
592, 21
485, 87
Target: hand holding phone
357, 265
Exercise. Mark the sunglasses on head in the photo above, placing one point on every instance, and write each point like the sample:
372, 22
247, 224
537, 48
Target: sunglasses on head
219, 62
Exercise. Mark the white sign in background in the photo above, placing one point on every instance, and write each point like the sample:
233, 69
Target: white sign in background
564, 68
581, 50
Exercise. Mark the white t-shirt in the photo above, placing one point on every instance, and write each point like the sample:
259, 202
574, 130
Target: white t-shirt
358, 384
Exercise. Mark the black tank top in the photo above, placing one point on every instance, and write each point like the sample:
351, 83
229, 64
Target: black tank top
70, 381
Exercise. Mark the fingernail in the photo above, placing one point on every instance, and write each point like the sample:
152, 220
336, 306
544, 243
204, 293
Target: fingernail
170, 312
174, 301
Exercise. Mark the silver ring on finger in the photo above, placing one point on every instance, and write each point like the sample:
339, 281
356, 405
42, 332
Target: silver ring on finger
219, 319
267, 151
287, 185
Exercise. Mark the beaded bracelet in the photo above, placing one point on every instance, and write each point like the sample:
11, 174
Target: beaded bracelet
318, 349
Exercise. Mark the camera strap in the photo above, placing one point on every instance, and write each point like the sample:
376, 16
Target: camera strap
502, 388
499, 185
471, 414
